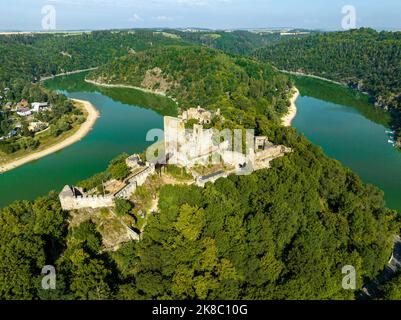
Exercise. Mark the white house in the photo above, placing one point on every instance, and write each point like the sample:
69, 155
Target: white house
24, 112
39, 106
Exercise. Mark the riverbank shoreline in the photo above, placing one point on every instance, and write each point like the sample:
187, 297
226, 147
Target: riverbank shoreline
67, 73
292, 110
84, 129
124, 86
311, 76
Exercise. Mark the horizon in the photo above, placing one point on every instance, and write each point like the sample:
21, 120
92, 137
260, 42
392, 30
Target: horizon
91, 15
200, 29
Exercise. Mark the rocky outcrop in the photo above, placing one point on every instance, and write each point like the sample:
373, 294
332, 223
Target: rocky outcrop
155, 81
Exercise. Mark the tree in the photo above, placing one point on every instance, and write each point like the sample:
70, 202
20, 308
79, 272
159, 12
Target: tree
123, 207
392, 290
89, 281
190, 222
118, 168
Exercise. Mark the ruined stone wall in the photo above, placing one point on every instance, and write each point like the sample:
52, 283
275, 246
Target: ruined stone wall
272, 152
134, 182
201, 181
81, 202
263, 158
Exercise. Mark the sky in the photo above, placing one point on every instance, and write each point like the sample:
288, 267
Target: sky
28, 15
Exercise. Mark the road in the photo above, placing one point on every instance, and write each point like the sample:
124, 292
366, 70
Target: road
372, 290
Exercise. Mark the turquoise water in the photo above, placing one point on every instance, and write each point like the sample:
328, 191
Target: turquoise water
343, 122
122, 127
357, 142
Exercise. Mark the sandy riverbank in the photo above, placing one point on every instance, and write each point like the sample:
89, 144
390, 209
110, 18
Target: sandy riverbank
84, 129
292, 110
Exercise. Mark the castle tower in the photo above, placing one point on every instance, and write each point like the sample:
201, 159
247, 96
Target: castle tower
174, 137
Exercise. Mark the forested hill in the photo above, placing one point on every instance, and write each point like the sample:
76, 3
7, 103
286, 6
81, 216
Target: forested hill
364, 58
32, 56
242, 88
235, 42
281, 233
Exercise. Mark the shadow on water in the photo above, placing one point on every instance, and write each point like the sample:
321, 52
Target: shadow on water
352, 130
337, 94
76, 83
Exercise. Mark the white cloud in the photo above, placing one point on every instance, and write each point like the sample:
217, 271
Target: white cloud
136, 18
163, 18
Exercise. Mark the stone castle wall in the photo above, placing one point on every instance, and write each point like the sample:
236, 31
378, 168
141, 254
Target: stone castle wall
80, 202
134, 182
72, 202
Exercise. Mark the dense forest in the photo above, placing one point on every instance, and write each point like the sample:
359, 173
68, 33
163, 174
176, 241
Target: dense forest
34, 56
236, 42
282, 233
25, 59
246, 91
363, 59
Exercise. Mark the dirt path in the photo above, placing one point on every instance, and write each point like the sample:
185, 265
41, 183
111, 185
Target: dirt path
105, 85
67, 73
85, 128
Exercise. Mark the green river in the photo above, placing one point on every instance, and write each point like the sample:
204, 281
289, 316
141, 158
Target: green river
122, 127
341, 121
350, 129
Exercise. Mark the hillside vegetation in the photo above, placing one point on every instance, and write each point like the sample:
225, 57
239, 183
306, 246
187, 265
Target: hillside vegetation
364, 59
236, 42
33, 56
245, 90
282, 233
25, 59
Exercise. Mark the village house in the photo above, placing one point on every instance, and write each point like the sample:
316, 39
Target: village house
9, 135
37, 126
24, 112
22, 104
39, 106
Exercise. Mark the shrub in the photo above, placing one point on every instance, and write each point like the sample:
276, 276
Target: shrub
123, 207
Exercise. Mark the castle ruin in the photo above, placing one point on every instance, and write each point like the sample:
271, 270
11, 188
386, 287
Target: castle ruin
74, 198
201, 115
198, 146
